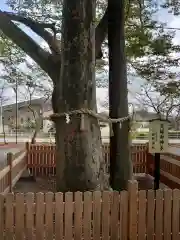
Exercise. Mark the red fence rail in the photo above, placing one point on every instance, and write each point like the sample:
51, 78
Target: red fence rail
169, 169
42, 162
41, 159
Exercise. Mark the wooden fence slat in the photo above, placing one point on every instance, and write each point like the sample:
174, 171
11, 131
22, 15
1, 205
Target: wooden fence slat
105, 215
19, 216
78, 211
159, 215
49, 215
9, 216
167, 213
87, 221
175, 214
115, 215
96, 215
111, 212
30, 224
40, 216
133, 208
2, 219
123, 230
41, 158
59, 212
68, 215
142, 215
9, 161
150, 214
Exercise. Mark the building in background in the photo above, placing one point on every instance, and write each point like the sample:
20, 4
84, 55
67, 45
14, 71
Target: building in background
43, 108
25, 116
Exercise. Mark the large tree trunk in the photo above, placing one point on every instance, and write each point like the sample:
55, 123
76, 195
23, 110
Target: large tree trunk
120, 163
80, 165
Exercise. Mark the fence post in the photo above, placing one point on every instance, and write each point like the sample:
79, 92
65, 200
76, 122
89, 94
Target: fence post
27, 146
28, 157
9, 161
27, 152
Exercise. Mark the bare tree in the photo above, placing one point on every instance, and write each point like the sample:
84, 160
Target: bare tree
31, 89
3, 100
166, 105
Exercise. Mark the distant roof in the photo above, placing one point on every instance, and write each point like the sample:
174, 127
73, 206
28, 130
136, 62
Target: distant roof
145, 115
39, 101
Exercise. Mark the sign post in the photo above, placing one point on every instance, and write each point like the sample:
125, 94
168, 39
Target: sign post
158, 143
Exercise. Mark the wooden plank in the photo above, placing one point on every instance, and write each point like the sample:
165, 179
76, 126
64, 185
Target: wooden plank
87, 215
59, 212
96, 214
106, 215
115, 215
150, 214
78, 208
29, 198
40, 211
49, 231
159, 215
142, 215
10, 174
9, 216
4, 171
167, 213
2, 218
133, 208
68, 215
19, 216
15, 180
175, 214
123, 216
19, 159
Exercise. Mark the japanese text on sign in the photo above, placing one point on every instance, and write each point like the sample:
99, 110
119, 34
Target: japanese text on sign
158, 136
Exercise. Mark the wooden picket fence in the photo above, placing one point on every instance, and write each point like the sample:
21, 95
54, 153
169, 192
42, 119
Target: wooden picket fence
10, 174
169, 169
128, 215
41, 158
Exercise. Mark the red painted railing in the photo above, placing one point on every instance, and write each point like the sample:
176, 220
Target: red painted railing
41, 161
41, 158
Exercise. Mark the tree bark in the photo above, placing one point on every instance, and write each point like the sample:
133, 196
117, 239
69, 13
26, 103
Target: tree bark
120, 163
80, 164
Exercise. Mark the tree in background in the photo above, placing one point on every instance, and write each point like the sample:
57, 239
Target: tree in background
3, 100
31, 87
165, 104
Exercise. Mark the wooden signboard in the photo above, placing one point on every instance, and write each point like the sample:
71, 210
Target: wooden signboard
158, 136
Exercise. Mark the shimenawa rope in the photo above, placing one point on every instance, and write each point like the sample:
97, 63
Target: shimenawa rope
92, 113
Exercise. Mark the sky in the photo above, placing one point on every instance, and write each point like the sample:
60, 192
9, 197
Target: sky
172, 21
3, 6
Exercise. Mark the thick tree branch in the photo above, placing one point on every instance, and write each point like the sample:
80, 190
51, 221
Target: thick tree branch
39, 29
44, 59
101, 32
26, 43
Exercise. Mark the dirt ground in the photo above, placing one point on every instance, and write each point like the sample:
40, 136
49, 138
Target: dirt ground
25, 185
35, 185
